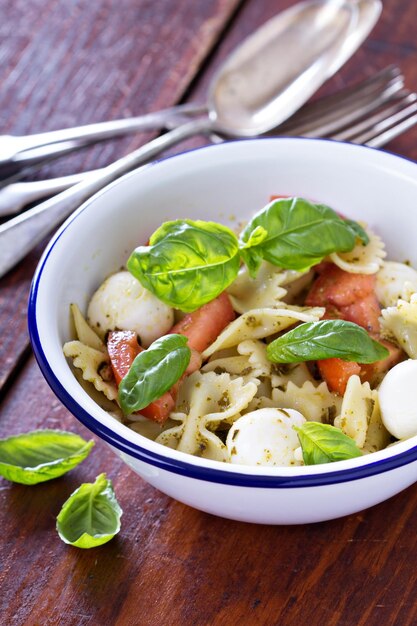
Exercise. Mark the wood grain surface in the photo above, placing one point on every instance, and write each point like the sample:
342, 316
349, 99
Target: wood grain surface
69, 62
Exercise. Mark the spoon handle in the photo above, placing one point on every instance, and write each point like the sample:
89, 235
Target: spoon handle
14, 147
22, 233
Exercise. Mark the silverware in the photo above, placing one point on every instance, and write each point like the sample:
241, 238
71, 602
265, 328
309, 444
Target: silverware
318, 35
345, 116
20, 234
248, 98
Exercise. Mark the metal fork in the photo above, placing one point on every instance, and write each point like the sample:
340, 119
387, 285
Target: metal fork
393, 111
344, 116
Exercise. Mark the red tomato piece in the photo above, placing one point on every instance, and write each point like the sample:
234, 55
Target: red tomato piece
123, 347
336, 373
205, 324
364, 312
336, 287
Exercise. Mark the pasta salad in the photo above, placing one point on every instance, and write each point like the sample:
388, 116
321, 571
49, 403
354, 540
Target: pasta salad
292, 343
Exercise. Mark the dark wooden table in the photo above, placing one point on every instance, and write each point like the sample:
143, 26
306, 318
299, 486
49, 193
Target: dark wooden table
66, 62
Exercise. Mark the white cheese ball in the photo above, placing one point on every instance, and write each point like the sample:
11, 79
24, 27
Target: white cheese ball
122, 303
265, 437
393, 281
398, 400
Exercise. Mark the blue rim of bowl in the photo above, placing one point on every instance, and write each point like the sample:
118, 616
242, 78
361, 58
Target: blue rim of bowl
177, 466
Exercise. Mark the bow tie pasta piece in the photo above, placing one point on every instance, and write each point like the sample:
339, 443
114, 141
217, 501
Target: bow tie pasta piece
90, 362
283, 373
255, 351
233, 365
395, 281
400, 321
266, 290
85, 333
206, 400
363, 259
89, 354
261, 402
316, 403
359, 408
260, 323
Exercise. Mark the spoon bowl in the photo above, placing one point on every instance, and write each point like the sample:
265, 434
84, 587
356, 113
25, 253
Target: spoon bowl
285, 61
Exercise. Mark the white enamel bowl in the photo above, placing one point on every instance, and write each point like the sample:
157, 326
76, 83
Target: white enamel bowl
217, 183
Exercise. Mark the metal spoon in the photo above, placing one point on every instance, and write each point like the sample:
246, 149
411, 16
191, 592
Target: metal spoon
322, 25
252, 100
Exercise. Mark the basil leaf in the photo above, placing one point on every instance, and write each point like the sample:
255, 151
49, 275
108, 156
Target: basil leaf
358, 231
188, 263
41, 455
299, 233
326, 339
322, 443
250, 254
153, 372
90, 516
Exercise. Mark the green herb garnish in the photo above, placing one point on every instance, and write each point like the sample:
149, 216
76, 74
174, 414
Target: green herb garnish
91, 515
187, 263
41, 455
322, 443
153, 372
299, 233
326, 339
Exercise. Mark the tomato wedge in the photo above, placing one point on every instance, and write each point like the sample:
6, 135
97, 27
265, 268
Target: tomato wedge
336, 373
205, 324
123, 347
336, 287
350, 297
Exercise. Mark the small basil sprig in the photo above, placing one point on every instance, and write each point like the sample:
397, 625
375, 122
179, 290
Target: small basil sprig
299, 235
313, 341
153, 372
91, 515
187, 263
322, 443
41, 455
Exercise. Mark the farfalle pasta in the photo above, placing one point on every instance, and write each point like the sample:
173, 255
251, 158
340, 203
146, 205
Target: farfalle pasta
295, 322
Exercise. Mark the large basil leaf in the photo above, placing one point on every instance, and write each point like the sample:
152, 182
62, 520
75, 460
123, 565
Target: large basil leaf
299, 234
41, 455
187, 263
326, 339
322, 443
91, 515
153, 372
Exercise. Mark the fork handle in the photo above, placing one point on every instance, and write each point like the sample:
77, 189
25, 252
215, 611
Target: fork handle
22, 233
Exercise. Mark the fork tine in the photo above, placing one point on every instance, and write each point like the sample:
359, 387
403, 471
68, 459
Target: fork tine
348, 94
349, 112
390, 128
393, 112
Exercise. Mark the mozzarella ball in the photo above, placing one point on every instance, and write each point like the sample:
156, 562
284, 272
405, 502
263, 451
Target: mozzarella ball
122, 303
265, 437
393, 281
398, 400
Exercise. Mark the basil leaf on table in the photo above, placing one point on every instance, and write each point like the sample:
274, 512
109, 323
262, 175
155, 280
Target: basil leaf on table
187, 263
153, 372
327, 339
299, 234
91, 515
41, 455
322, 443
